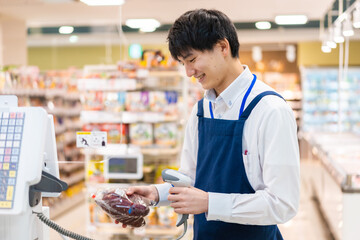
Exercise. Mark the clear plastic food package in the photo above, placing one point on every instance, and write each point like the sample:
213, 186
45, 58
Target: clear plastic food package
128, 210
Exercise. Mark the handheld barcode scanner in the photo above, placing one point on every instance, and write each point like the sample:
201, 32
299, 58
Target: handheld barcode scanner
177, 179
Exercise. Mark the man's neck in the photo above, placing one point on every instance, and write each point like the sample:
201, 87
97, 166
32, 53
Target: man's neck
234, 70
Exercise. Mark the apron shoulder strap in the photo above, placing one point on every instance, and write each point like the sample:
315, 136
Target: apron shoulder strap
200, 112
255, 101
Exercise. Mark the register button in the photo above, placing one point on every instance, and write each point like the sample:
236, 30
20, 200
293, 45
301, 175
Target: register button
9, 193
4, 204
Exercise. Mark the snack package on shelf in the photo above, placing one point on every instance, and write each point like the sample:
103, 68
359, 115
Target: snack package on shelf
115, 101
141, 134
116, 133
128, 210
172, 100
137, 101
95, 170
158, 101
165, 134
93, 101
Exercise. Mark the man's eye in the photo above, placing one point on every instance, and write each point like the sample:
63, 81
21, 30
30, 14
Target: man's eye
192, 60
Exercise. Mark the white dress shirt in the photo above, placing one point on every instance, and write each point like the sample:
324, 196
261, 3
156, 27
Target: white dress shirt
272, 161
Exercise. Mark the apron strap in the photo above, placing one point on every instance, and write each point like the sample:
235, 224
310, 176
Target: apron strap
200, 112
253, 103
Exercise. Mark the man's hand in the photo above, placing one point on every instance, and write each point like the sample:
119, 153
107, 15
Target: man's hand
188, 200
149, 192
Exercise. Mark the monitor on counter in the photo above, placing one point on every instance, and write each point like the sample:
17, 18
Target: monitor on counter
123, 166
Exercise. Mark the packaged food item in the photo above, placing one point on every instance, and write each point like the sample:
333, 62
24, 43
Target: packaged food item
116, 133
158, 101
141, 134
137, 101
128, 210
165, 134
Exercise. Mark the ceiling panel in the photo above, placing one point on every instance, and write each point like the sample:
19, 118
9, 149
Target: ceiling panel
59, 12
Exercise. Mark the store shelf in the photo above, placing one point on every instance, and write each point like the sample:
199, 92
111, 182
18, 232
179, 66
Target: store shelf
73, 125
114, 85
59, 129
74, 178
326, 102
160, 151
66, 112
125, 117
70, 167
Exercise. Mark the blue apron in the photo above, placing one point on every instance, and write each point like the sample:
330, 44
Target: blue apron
220, 168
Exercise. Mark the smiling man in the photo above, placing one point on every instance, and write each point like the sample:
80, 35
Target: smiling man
240, 145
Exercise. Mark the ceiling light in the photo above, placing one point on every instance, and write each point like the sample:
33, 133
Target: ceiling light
263, 25
331, 44
103, 2
291, 19
338, 37
145, 25
66, 29
356, 17
348, 30
330, 39
325, 48
147, 29
73, 39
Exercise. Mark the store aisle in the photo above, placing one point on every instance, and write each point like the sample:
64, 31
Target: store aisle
307, 225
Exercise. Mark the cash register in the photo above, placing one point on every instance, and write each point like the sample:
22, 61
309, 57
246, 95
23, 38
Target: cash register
28, 171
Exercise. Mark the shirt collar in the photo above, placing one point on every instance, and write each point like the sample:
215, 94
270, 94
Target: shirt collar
234, 90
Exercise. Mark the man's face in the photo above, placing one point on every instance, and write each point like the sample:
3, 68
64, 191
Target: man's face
208, 67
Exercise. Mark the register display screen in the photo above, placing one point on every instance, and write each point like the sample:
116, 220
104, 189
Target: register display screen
122, 165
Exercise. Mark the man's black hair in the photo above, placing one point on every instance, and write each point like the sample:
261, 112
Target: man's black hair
201, 29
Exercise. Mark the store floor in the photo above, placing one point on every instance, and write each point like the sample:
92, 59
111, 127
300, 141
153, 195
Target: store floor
307, 225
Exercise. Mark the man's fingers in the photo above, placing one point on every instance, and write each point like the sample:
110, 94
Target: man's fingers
175, 190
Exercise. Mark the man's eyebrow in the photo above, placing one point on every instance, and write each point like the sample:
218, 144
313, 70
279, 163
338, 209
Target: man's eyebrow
187, 55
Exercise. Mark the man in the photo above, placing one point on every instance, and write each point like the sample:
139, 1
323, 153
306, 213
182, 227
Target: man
240, 144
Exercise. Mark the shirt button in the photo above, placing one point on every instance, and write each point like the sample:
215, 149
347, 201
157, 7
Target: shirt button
230, 103
219, 116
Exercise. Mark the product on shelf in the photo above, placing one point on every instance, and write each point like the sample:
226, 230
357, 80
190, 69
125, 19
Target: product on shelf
165, 134
327, 104
137, 101
158, 101
116, 133
141, 134
165, 102
129, 210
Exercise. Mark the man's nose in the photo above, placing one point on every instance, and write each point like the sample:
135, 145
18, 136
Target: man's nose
189, 71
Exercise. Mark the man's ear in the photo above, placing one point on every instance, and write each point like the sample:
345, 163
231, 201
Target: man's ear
224, 46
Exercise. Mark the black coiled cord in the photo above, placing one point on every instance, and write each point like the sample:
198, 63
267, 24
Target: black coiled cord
59, 229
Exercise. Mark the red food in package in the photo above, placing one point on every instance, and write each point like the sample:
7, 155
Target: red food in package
129, 210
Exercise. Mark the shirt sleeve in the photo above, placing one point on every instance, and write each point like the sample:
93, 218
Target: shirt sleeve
188, 157
278, 152
189, 151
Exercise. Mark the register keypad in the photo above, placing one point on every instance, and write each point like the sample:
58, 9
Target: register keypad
11, 131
